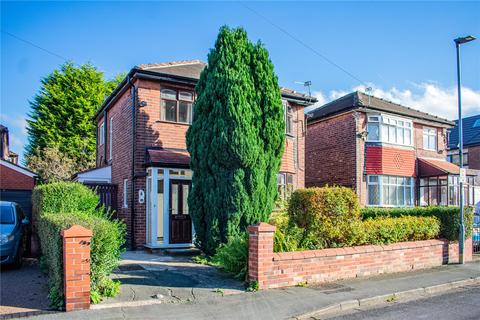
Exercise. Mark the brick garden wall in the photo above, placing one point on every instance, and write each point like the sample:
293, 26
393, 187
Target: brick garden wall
273, 270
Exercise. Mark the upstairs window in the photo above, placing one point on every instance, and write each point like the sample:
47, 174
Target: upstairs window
110, 140
387, 129
430, 138
288, 118
176, 106
101, 134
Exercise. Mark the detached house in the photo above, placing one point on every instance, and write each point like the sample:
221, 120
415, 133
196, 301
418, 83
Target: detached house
392, 155
141, 147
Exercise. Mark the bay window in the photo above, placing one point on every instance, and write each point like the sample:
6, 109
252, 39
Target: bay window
176, 106
390, 191
387, 129
430, 138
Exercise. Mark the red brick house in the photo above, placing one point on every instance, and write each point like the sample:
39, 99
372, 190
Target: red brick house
390, 154
142, 149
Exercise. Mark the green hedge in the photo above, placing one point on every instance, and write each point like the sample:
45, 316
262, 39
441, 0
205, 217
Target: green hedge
386, 230
328, 216
108, 238
449, 217
58, 197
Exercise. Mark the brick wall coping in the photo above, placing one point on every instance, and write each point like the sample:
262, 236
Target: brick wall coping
330, 252
76, 231
261, 227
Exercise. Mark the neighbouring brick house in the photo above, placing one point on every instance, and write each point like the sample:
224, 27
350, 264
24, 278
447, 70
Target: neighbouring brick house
142, 149
390, 154
471, 143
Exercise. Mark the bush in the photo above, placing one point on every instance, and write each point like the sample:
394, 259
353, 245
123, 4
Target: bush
108, 238
386, 230
58, 197
327, 216
232, 257
287, 235
449, 217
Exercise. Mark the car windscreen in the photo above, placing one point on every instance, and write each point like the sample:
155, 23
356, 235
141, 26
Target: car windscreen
6, 214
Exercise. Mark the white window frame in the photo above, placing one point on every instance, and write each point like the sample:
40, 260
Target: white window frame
125, 193
389, 121
101, 134
381, 184
110, 140
288, 117
429, 132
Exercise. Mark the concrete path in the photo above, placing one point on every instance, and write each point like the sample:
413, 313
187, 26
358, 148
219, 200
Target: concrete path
154, 279
293, 302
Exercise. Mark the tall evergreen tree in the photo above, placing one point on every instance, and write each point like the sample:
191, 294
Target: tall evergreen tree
61, 113
236, 140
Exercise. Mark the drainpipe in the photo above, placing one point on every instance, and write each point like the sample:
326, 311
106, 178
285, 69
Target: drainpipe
132, 204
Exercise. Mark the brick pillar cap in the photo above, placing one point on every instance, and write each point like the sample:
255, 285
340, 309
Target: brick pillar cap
261, 227
76, 231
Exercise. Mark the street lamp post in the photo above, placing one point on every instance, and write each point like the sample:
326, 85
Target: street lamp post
461, 240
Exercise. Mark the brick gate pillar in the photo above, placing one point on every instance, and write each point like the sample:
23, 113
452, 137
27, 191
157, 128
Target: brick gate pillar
260, 253
76, 267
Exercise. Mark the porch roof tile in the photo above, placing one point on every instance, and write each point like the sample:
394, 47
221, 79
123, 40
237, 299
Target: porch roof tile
167, 157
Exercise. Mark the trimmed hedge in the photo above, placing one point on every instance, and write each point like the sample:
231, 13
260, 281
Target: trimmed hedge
386, 230
108, 238
58, 197
60, 205
449, 217
328, 216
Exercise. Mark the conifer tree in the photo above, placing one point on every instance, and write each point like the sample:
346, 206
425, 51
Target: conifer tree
62, 111
236, 140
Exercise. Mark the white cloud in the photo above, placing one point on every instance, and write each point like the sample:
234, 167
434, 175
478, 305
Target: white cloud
427, 96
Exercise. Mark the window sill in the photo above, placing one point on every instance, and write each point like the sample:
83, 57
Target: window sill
173, 122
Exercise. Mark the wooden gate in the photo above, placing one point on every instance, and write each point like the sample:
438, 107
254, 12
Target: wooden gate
107, 193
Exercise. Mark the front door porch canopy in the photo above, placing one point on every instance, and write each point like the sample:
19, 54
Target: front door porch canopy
432, 168
167, 157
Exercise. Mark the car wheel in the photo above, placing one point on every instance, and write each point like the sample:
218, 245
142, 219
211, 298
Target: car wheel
17, 264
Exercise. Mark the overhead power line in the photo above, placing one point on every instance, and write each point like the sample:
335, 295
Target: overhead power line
351, 75
34, 45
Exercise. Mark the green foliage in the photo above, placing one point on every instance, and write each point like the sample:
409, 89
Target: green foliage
253, 286
449, 217
60, 197
386, 230
106, 247
287, 235
236, 140
327, 216
61, 113
232, 256
51, 164
58, 206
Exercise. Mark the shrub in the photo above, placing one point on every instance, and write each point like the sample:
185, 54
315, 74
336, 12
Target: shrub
327, 216
287, 235
232, 256
58, 197
449, 217
106, 247
386, 230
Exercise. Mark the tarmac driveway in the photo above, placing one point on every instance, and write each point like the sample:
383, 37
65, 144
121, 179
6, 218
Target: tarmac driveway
155, 278
23, 291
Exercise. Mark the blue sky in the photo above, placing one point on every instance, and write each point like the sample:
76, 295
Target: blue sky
404, 50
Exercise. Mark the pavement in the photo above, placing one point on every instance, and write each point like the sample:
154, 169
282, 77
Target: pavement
459, 304
313, 301
24, 290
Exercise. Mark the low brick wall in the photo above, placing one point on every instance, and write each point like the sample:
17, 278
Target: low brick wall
273, 270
